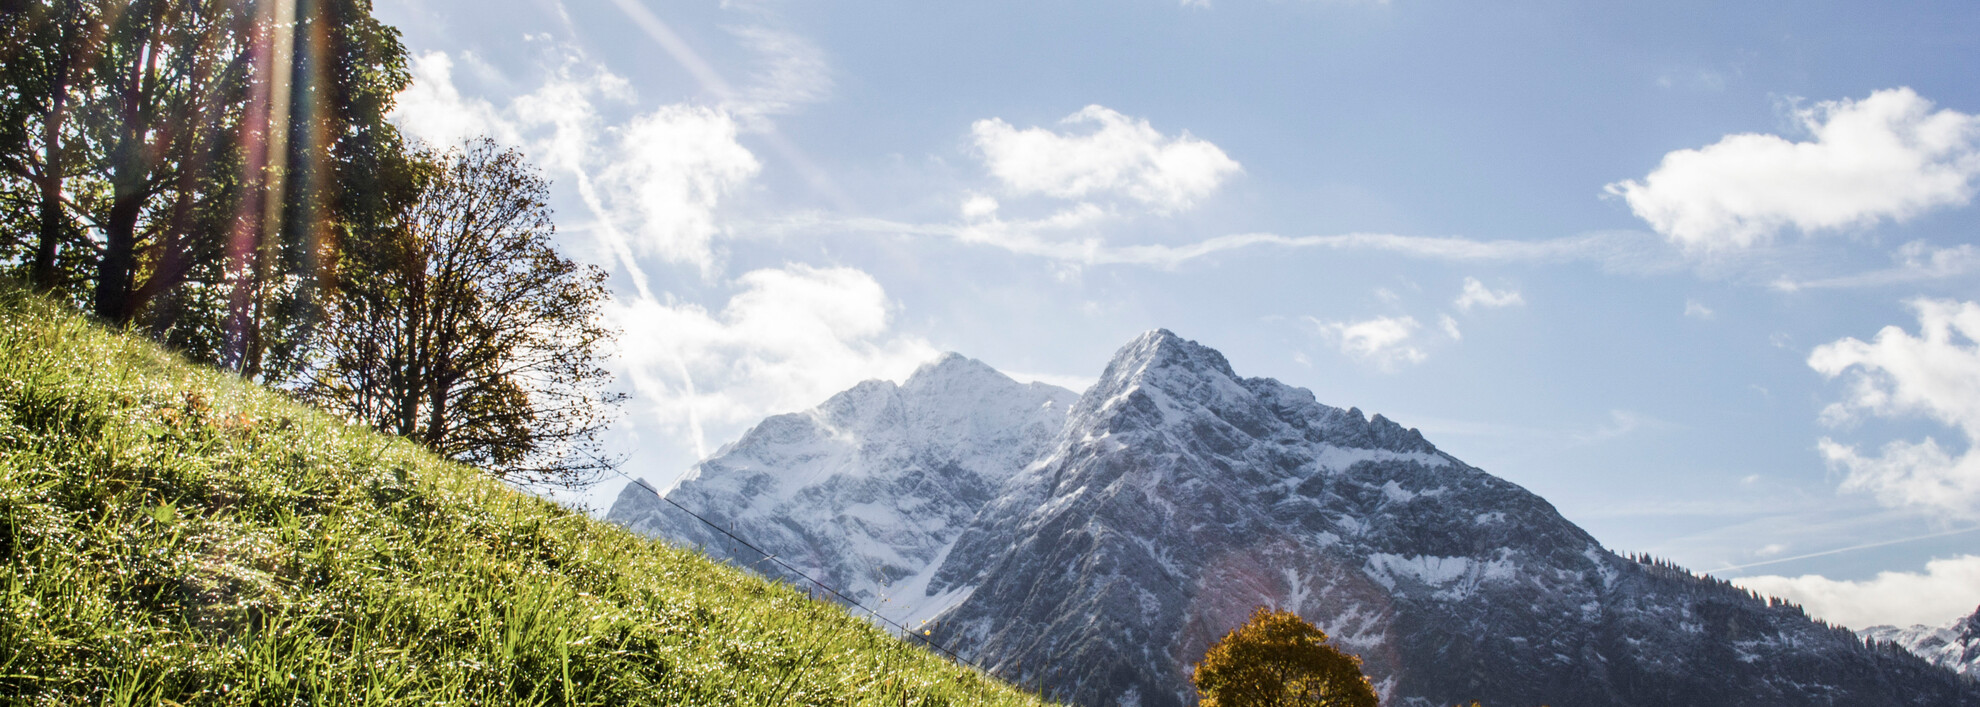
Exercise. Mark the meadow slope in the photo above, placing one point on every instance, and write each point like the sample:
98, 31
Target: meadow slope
172, 534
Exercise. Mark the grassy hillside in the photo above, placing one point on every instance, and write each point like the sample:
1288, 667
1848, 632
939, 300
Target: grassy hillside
172, 535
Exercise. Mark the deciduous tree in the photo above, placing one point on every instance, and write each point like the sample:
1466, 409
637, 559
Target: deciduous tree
192, 164
1278, 659
464, 329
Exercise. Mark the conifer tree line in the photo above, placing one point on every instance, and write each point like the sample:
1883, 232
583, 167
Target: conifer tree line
220, 175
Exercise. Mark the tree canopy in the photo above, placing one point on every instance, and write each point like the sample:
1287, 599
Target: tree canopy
221, 174
1278, 659
190, 165
463, 328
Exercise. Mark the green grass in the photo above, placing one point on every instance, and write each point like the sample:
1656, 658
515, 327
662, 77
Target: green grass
171, 534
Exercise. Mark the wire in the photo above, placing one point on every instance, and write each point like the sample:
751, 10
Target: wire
905, 631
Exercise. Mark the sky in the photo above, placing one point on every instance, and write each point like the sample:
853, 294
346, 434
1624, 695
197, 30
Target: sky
1701, 274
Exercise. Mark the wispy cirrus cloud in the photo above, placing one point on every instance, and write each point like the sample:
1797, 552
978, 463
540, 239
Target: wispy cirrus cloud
790, 73
1916, 261
1050, 237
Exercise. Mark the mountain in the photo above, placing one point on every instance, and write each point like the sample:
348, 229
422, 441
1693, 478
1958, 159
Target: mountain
867, 491
1177, 495
1181, 495
1955, 645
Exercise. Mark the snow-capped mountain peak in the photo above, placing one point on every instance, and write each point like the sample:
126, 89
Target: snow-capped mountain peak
1098, 546
1955, 645
868, 489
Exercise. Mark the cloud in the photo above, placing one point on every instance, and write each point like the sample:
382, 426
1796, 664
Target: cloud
1122, 157
791, 72
1475, 294
786, 340
1697, 310
1383, 341
1622, 423
979, 207
1616, 251
1949, 588
433, 110
1888, 156
652, 182
1450, 327
1935, 374
1916, 261
671, 169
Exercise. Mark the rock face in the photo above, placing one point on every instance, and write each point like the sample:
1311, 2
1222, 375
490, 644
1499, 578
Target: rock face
868, 490
1955, 645
1176, 496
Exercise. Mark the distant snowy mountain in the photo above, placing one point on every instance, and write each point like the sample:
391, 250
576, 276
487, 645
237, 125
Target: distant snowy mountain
1955, 645
1100, 557
868, 490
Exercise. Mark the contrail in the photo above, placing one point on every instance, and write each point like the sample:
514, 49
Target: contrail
1851, 548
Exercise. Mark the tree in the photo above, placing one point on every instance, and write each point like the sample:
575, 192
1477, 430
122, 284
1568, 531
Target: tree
462, 327
189, 164
45, 70
1278, 659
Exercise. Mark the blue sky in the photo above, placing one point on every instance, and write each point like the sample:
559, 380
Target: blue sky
1701, 274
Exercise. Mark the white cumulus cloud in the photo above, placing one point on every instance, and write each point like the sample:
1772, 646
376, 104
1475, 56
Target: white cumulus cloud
1935, 374
1121, 156
432, 109
786, 340
653, 181
1888, 156
1948, 589
671, 169
1450, 327
1383, 341
1476, 294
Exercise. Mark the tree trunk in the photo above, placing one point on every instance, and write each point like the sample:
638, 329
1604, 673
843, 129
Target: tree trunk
113, 279
42, 273
129, 188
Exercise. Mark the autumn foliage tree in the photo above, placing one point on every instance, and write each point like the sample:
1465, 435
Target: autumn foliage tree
1278, 659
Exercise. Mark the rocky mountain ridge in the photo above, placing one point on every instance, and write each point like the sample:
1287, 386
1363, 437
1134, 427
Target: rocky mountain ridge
867, 491
1955, 645
1176, 495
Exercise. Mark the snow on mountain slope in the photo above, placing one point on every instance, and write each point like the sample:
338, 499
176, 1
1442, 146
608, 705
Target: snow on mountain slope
867, 490
1180, 496
1096, 546
1955, 645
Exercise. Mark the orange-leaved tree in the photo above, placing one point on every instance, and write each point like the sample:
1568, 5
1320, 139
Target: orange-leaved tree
1278, 659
